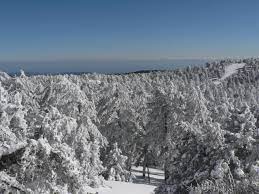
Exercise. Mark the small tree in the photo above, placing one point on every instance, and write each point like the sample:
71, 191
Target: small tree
115, 164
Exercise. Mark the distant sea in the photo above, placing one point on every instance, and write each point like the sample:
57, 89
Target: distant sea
98, 66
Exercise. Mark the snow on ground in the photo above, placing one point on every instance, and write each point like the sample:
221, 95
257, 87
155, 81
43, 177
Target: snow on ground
138, 186
126, 188
156, 176
229, 70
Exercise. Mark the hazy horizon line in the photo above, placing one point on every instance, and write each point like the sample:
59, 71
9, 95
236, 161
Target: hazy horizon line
125, 59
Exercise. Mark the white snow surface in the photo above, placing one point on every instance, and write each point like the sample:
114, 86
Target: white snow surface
230, 70
138, 186
156, 174
117, 187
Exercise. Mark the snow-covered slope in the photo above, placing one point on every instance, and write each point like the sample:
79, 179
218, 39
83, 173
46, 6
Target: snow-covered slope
117, 187
138, 186
156, 175
230, 70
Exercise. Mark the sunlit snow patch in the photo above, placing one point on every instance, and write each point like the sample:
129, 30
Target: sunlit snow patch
230, 70
138, 186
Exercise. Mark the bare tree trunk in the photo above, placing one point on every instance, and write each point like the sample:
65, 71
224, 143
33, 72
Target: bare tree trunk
145, 160
148, 174
144, 167
166, 173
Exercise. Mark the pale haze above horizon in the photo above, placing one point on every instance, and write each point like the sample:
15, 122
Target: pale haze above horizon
123, 35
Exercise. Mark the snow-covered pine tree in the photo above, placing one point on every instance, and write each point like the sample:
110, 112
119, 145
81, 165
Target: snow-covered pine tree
115, 164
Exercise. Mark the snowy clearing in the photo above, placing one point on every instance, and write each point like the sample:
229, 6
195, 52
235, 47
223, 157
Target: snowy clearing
156, 176
138, 186
230, 70
126, 188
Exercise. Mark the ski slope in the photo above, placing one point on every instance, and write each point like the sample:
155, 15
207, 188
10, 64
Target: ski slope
138, 186
230, 70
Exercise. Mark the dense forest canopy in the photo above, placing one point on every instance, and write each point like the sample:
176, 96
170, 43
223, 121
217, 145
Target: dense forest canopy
63, 133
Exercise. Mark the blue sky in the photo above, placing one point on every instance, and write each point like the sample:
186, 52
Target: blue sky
67, 30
